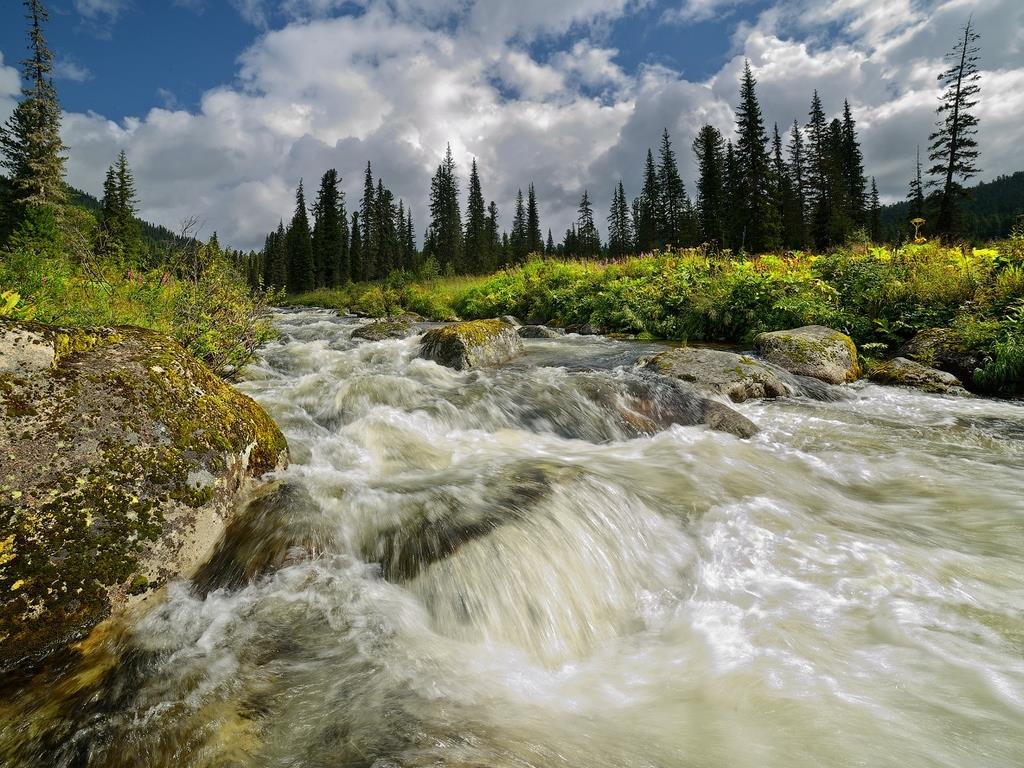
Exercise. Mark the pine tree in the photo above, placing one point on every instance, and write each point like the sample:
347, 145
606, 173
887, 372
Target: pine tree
30, 143
709, 148
916, 192
477, 240
649, 214
619, 235
754, 173
853, 170
330, 247
954, 150
300, 248
794, 221
588, 241
367, 214
518, 237
534, 238
355, 249
875, 214
446, 237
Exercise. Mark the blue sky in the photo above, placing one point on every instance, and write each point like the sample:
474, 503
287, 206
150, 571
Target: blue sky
222, 105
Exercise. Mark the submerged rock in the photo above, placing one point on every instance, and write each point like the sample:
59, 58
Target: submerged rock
738, 377
123, 459
646, 404
539, 332
907, 373
940, 348
813, 350
471, 344
399, 328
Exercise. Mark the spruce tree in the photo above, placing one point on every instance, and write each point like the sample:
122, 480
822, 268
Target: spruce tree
916, 192
954, 149
300, 248
275, 256
410, 241
735, 226
477, 240
649, 213
118, 236
840, 221
534, 238
30, 144
446, 218
756, 210
794, 221
782, 188
549, 248
874, 214
368, 215
518, 237
853, 170
619, 235
588, 241
355, 249
818, 174
709, 147
330, 248
494, 247
675, 211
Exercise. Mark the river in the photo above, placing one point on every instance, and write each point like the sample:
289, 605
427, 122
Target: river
485, 569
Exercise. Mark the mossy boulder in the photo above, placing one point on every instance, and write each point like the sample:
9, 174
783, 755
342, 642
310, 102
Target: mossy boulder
738, 377
907, 373
813, 350
941, 348
123, 456
398, 328
539, 332
471, 344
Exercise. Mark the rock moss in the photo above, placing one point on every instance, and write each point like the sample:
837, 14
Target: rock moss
815, 351
98, 494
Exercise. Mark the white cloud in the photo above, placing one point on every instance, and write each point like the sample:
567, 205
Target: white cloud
67, 69
397, 82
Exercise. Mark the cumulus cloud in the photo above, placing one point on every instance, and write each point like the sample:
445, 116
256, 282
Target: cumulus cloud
397, 80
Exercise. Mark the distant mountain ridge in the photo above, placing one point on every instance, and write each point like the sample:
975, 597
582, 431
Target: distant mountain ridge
990, 210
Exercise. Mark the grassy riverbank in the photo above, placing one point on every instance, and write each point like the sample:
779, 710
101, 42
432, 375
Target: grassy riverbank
881, 296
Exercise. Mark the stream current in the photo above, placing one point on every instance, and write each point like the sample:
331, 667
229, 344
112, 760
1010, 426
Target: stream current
486, 568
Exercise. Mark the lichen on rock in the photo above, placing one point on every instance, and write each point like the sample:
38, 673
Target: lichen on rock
907, 373
738, 377
471, 344
103, 430
813, 350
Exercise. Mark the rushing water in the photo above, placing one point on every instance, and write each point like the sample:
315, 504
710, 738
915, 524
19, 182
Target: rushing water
489, 569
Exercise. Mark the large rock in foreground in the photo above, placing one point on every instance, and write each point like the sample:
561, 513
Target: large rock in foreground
906, 373
471, 344
123, 459
814, 350
738, 377
940, 348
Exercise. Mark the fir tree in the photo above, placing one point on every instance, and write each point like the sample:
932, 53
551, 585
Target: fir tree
119, 236
840, 220
954, 150
754, 174
619, 235
330, 246
30, 143
588, 242
477, 239
735, 226
494, 247
367, 214
916, 192
275, 256
410, 241
709, 148
782, 188
534, 238
385, 233
446, 219
549, 248
300, 248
